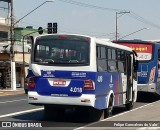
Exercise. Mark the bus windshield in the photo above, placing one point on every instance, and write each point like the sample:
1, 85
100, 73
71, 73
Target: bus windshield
144, 51
53, 50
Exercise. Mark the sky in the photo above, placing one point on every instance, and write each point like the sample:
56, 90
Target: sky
94, 17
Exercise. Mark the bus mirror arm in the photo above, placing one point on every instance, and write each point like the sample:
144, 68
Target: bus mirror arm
135, 53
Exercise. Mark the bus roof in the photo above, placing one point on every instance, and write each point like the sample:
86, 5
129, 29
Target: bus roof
111, 44
133, 41
63, 34
97, 40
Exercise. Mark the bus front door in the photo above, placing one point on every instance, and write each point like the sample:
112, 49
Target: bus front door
129, 89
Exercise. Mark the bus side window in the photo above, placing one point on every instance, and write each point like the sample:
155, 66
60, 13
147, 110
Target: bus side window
112, 66
101, 59
121, 66
123, 59
120, 61
102, 65
112, 60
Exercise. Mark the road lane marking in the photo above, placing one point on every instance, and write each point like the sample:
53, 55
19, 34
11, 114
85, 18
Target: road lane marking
13, 101
83, 127
21, 112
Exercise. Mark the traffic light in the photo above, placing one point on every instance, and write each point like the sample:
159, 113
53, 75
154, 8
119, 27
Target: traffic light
52, 28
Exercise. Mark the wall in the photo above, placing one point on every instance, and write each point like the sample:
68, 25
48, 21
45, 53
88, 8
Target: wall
19, 57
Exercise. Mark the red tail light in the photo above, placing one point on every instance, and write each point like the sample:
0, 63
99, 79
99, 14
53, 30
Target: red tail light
31, 83
88, 85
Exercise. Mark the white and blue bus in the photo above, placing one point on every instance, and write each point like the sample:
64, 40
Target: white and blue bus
77, 71
149, 64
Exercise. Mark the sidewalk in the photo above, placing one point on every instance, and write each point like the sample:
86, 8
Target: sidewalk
8, 91
146, 117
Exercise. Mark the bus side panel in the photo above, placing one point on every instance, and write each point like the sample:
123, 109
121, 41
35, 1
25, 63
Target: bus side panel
148, 75
107, 83
143, 72
147, 72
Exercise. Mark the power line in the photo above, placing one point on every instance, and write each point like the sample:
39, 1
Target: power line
143, 20
89, 5
132, 14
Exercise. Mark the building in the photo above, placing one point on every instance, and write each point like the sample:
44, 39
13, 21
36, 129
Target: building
5, 57
4, 42
20, 41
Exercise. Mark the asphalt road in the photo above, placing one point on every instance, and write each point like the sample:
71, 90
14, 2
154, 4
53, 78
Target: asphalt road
16, 108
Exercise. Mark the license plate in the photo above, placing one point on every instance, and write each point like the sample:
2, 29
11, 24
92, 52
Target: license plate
59, 83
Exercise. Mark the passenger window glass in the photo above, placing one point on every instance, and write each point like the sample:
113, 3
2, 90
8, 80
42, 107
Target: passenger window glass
113, 54
109, 53
103, 52
120, 66
118, 55
102, 65
98, 52
123, 56
112, 66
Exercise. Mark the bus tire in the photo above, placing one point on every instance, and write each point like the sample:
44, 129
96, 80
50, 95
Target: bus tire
53, 112
129, 105
108, 111
95, 114
47, 112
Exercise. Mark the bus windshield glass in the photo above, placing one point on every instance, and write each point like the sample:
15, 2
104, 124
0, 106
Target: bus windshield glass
144, 51
62, 50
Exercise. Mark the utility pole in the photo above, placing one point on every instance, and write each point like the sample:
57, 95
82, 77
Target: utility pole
124, 12
12, 55
13, 69
116, 26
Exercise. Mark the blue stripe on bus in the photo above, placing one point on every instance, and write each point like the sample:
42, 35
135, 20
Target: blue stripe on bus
110, 81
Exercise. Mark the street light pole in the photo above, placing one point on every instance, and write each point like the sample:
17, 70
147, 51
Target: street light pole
13, 69
32, 11
133, 33
124, 12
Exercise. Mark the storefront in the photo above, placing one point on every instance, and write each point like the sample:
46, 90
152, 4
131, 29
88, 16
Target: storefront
5, 70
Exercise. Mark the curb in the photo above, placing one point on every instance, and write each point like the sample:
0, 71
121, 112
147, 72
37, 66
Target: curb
7, 93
